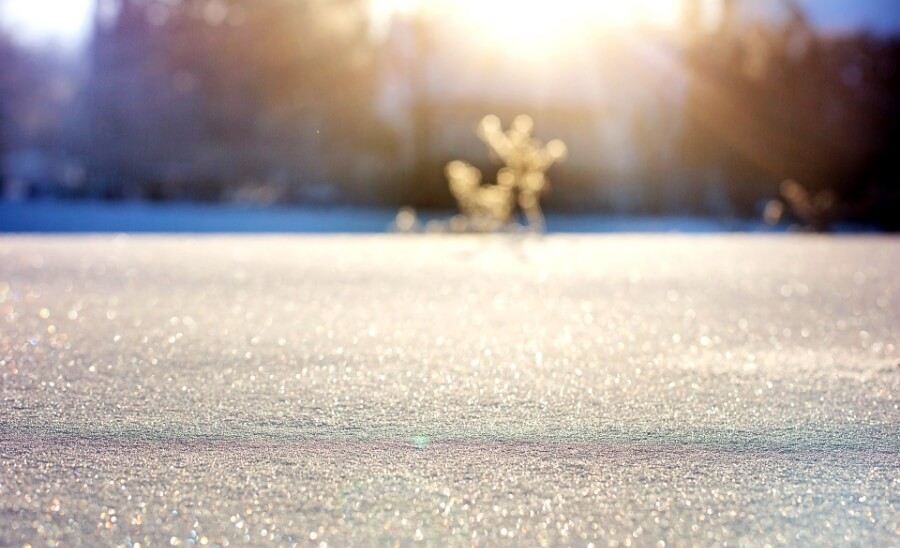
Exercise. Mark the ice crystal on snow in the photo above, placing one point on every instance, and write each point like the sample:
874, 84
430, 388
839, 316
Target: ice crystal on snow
380, 391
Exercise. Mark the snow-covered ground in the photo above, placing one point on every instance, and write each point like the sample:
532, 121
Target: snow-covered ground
564, 390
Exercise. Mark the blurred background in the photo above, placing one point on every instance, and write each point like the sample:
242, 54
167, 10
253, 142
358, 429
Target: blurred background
688, 108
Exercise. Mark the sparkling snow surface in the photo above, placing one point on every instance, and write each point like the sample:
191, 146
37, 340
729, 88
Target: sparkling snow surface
621, 390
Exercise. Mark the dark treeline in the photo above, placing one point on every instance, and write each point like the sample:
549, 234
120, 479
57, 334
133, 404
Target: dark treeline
769, 104
261, 101
268, 101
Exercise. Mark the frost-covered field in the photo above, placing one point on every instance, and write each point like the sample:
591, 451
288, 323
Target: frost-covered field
566, 390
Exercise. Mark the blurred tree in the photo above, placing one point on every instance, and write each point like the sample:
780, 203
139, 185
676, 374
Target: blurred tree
7, 89
771, 101
197, 97
36, 89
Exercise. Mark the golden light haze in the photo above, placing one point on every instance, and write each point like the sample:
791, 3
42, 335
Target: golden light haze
533, 26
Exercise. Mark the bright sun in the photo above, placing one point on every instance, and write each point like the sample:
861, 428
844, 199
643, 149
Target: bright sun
64, 21
535, 26
563, 14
